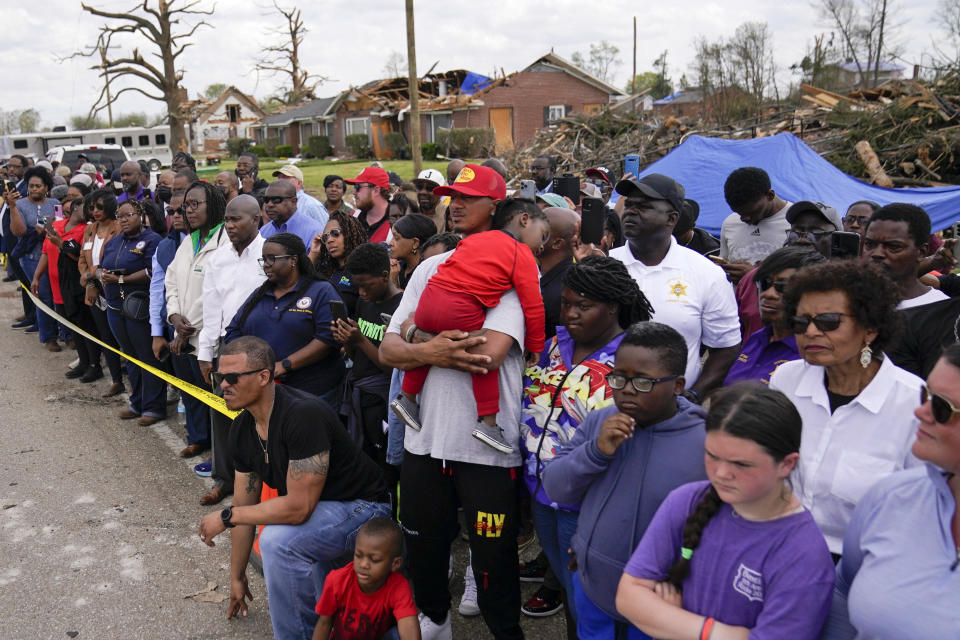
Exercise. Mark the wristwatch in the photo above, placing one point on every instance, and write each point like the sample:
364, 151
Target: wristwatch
287, 367
225, 516
120, 279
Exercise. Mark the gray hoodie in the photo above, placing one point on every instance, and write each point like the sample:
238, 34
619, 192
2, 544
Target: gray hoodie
619, 494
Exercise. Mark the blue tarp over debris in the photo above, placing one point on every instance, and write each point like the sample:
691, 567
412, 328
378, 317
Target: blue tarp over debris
797, 172
474, 82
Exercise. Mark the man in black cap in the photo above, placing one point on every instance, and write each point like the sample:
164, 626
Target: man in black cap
689, 235
687, 291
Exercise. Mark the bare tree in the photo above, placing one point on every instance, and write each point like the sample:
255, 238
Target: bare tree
865, 27
751, 55
395, 66
947, 18
602, 60
155, 24
284, 59
19, 121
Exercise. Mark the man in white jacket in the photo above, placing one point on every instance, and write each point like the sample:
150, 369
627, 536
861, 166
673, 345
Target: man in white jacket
203, 208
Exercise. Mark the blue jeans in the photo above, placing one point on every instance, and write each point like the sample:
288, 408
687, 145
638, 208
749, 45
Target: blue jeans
395, 430
186, 367
594, 624
555, 529
148, 393
47, 326
297, 558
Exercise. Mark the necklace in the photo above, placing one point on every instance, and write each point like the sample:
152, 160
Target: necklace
263, 445
956, 324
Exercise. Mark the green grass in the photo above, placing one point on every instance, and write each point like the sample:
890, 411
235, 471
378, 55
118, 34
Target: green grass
314, 171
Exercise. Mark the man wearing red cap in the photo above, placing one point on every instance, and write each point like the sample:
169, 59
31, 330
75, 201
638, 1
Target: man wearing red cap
372, 194
443, 463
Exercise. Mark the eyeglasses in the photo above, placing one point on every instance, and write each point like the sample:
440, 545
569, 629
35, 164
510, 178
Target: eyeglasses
643, 385
126, 216
943, 409
779, 285
231, 378
173, 210
823, 322
193, 204
276, 199
269, 260
812, 236
360, 187
859, 220
333, 233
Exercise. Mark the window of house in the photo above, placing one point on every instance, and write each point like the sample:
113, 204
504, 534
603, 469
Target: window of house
127, 141
233, 113
143, 141
161, 138
437, 121
556, 112
358, 125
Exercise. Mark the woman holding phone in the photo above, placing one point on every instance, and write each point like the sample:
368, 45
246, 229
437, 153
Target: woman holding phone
291, 311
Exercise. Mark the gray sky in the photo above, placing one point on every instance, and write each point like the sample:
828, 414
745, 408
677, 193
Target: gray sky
350, 43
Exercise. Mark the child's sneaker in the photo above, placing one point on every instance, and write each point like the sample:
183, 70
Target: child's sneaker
492, 436
468, 603
407, 410
430, 630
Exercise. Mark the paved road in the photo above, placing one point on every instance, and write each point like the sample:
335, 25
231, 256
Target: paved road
99, 517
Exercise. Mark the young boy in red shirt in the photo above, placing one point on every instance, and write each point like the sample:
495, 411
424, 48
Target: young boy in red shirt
364, 600
483, 267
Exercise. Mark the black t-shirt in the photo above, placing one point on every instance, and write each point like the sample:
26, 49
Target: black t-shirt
702, 242
927, 331
550, 285
950, 284
302, 425
368, 318
341, 281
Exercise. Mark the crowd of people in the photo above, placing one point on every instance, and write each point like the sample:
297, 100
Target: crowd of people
750, 435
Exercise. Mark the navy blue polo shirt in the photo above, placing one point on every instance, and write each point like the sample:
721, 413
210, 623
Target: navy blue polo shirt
129, 255
288, 324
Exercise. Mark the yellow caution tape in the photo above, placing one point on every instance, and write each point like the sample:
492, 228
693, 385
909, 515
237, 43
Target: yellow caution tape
210, 399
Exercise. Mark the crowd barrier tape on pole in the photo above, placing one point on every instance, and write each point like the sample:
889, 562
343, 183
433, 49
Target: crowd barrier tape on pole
210, 399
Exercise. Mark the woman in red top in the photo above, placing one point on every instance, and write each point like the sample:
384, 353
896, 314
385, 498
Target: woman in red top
483, 268
61, 250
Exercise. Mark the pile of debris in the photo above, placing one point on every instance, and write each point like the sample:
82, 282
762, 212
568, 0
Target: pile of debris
902, 133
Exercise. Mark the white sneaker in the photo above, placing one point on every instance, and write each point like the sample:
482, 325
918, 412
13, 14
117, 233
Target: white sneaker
430, 630
450, 569
468, 603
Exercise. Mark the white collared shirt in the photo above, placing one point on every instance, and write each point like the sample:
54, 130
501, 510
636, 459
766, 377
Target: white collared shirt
229, 281
691, 294
842, 455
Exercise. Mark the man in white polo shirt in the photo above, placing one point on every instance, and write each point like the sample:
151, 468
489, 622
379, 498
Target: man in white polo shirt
687, 291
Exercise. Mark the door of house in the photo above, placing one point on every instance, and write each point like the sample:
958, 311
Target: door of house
380, 149
501, 119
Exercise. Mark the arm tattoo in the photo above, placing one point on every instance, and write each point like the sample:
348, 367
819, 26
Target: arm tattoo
317, 465
253, 483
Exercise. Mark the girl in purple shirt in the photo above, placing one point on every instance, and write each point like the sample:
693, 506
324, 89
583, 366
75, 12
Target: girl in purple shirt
738, 556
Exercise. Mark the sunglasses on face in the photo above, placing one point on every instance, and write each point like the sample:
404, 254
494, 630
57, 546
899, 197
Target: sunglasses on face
812, 236
360, 187
778, 285
823, 322
333, 233
643, 385
276, 199
231, 378
266, 261
943, 409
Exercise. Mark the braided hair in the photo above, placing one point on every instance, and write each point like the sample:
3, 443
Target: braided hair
308, 273
607, 280
752, 412
354, 235
140, 210
216, 206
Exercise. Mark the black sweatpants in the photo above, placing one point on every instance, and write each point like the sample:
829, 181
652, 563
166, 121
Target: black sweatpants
429, 489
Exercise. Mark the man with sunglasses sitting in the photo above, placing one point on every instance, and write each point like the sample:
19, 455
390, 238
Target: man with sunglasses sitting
280, 203
327, 488
622, 462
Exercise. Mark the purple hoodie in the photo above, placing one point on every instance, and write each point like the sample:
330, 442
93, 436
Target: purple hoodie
620, 494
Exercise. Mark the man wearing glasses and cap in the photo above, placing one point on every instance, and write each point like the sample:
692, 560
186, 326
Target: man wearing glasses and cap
372, 195
306, 204
687, 291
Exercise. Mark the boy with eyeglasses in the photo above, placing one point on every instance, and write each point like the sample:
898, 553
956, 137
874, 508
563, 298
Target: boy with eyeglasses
622, 462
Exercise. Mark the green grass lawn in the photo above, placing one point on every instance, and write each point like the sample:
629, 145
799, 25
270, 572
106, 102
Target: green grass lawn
314, 171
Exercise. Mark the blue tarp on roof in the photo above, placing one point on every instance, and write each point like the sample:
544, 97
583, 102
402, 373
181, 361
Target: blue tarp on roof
797, 172
474, 82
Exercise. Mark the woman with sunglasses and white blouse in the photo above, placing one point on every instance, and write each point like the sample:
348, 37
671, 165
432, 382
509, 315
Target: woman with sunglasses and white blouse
900, 572
857, 406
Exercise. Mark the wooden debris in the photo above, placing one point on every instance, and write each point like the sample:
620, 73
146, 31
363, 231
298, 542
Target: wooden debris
875, 170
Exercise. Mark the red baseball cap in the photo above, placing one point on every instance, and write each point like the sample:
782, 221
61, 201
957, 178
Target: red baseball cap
372, 175
475, 180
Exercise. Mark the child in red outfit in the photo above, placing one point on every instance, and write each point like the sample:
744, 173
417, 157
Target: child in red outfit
483, 267
363, 601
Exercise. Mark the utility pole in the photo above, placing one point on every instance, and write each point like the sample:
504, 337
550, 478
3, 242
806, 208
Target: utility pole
415, 151
633, 78
102, 47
